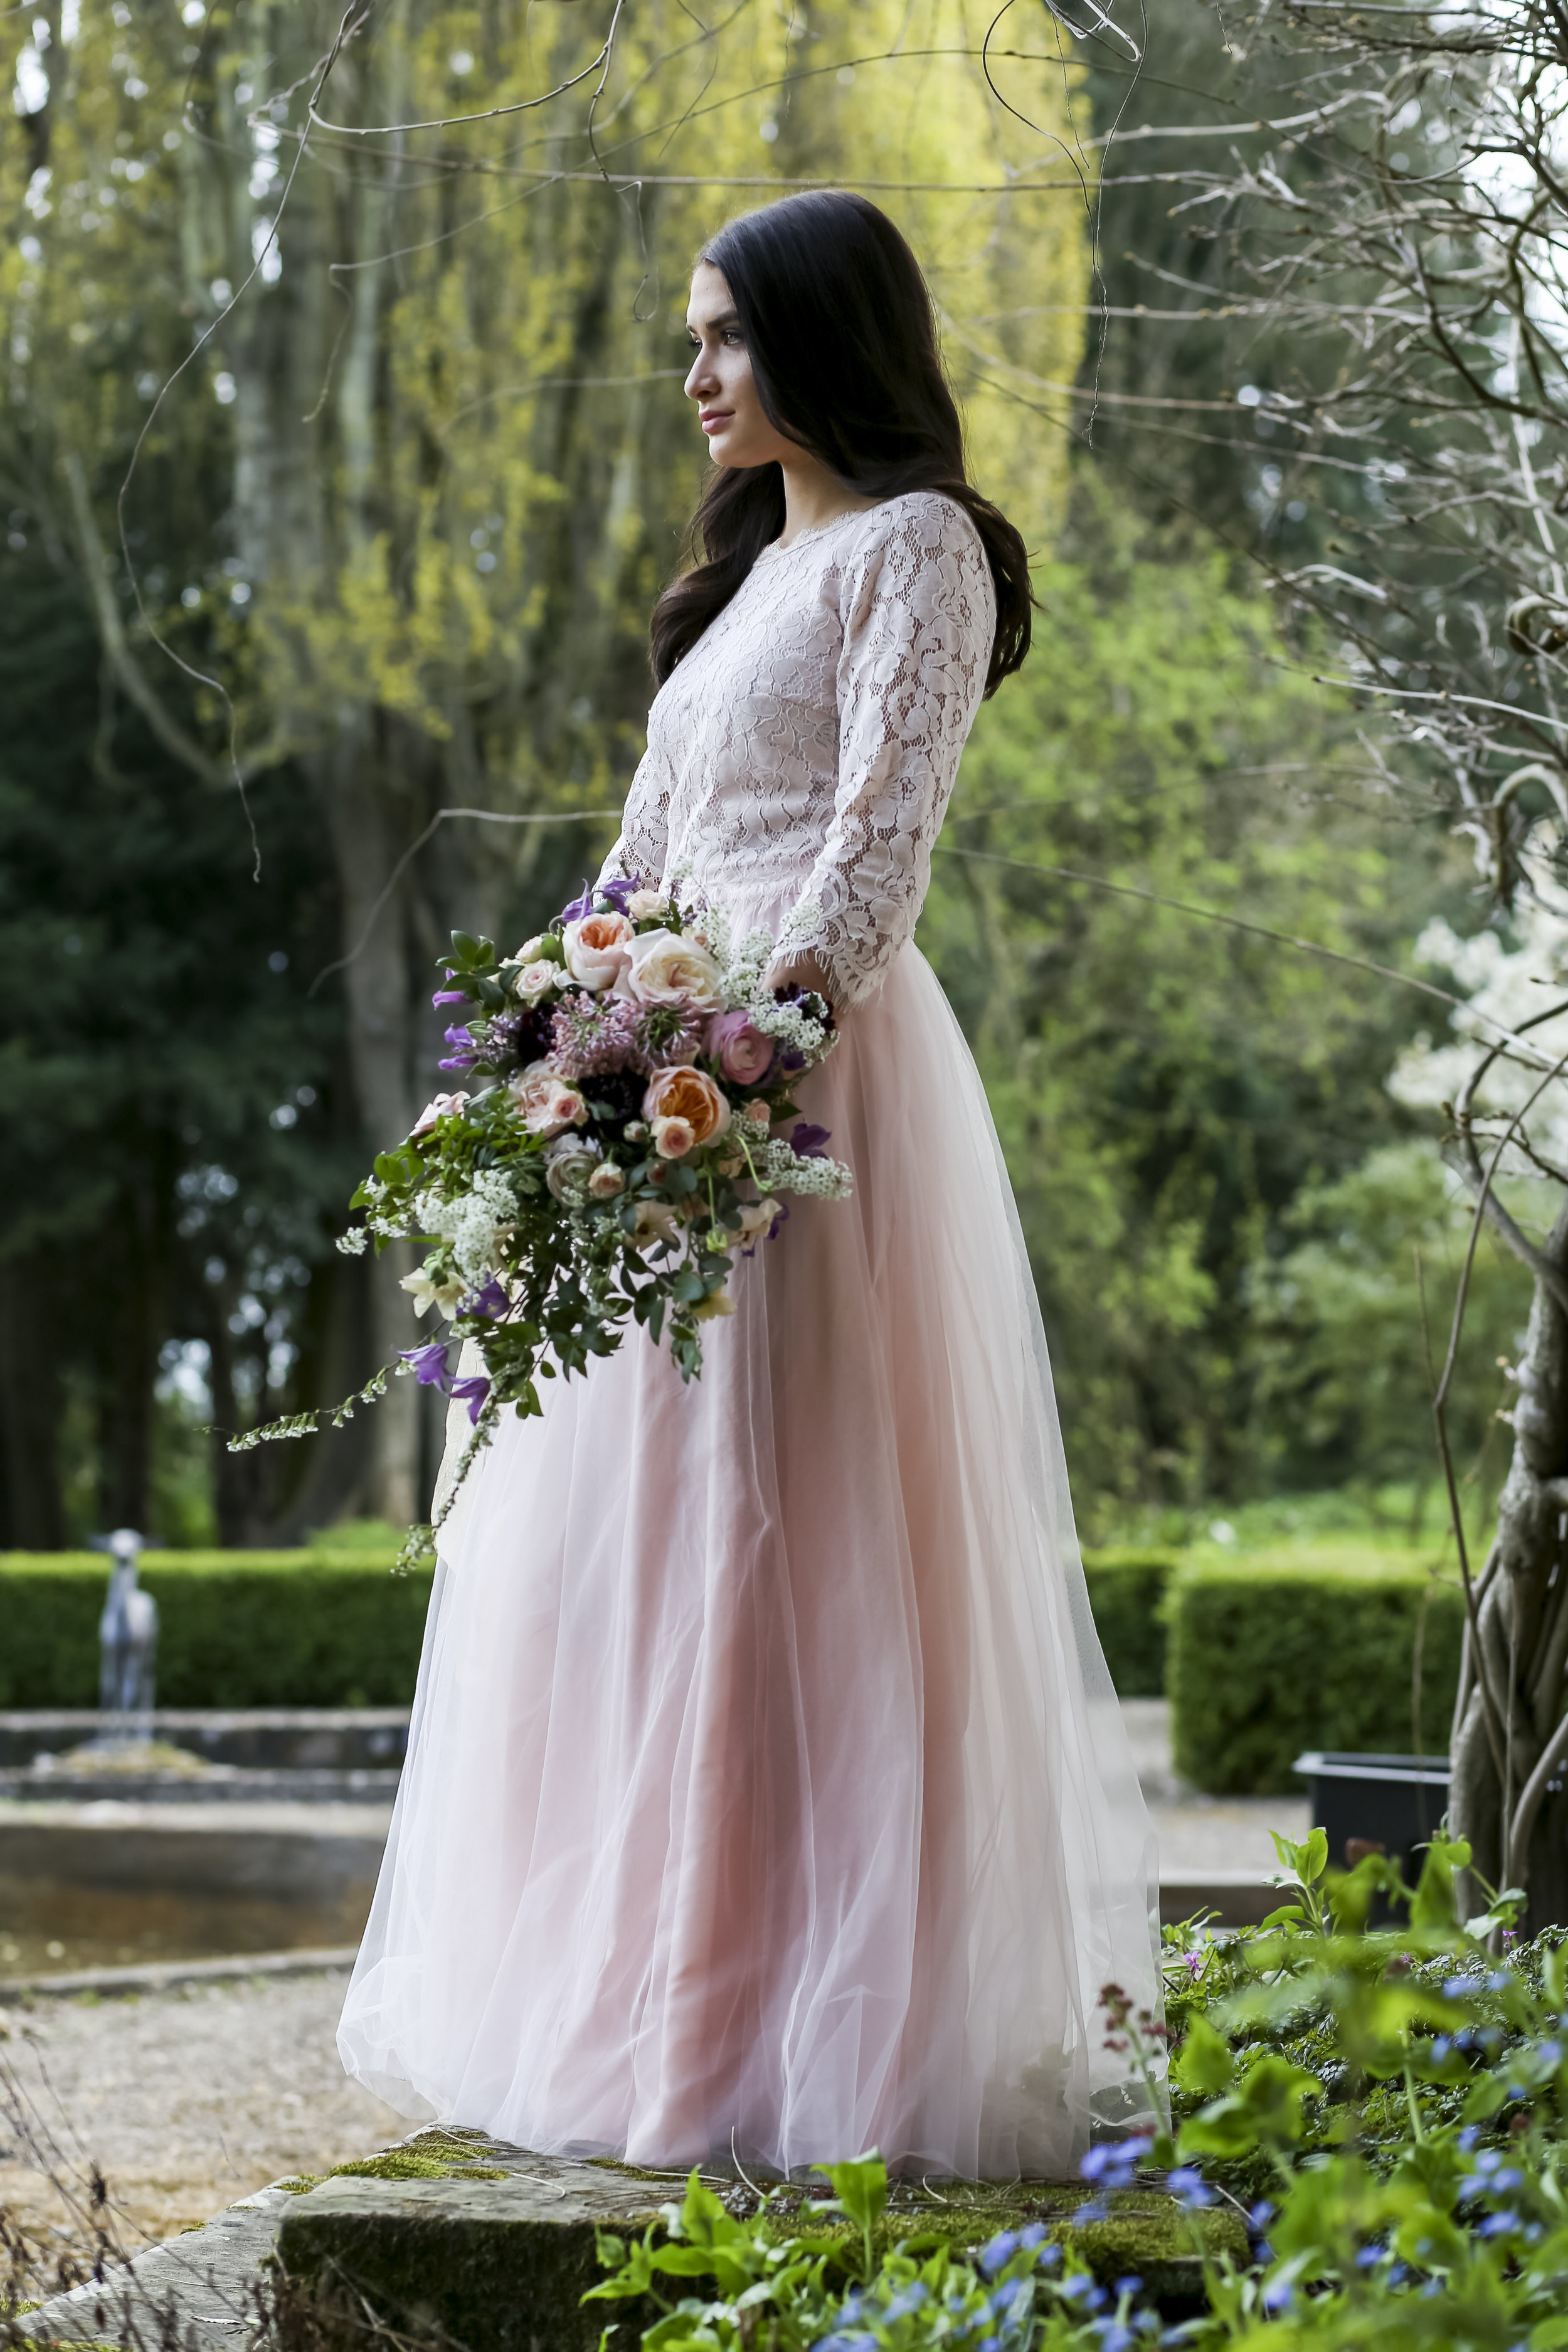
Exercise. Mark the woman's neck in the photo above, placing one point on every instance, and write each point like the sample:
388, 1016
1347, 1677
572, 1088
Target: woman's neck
813, 494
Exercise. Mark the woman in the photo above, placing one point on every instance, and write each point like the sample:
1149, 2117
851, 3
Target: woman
766, 1795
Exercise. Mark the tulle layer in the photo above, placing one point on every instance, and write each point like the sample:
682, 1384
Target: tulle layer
766, 1790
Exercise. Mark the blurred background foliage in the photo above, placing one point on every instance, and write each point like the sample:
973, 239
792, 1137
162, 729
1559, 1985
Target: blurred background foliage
408, 504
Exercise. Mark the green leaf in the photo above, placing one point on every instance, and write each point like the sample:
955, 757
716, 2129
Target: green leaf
1205, 2065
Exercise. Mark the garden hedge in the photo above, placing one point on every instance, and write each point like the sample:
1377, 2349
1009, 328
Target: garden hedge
323, 1629
234, 1629
1270, 1657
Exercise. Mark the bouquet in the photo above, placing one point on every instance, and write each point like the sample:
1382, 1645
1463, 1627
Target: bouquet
624, 1132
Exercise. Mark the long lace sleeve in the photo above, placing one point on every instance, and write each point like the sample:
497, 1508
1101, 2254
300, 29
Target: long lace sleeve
919, 612
642, 844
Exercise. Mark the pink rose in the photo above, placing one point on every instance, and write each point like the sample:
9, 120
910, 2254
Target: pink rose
605, 1182
598, 950
690, 1095
545, 1103
742, 1053
443, 1106
673, 1137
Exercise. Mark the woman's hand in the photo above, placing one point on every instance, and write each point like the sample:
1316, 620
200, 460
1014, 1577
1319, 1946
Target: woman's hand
802, 971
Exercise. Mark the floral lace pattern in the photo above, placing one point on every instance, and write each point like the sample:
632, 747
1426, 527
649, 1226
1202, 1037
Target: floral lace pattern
802, 756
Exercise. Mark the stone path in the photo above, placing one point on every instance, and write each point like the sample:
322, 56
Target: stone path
186, 2100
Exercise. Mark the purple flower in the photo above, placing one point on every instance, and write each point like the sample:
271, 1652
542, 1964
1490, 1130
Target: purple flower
1278, 2294
808, 1142
429, 1364
999, 2249
581, 905
491, 1300
472, 1391
465, 1053
1188, 2184
619, 888
449, 996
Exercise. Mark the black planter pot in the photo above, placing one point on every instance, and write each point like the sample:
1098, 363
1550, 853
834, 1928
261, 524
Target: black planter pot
1391, 1802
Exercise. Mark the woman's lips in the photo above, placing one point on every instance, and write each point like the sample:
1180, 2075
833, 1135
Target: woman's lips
716, 419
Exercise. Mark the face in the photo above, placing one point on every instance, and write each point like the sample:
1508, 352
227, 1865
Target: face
729, 408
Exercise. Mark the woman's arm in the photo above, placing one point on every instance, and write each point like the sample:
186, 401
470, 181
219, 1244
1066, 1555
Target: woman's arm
919, 612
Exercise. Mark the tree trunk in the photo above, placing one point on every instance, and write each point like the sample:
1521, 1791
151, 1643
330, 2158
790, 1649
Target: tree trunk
31, 1516
1510, 1765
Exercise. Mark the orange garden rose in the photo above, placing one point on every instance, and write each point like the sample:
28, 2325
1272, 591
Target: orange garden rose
690, 1094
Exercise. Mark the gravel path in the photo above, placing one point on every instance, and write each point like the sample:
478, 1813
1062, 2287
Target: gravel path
185, 2100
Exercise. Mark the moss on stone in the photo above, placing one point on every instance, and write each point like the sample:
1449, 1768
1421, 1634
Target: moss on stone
430, 2156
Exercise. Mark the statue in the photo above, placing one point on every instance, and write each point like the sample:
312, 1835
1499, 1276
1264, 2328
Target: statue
128, 1644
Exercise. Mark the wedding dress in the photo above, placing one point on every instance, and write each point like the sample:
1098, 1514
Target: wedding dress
766, 1791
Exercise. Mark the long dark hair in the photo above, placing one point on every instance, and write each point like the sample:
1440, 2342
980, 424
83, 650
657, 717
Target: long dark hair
839, 324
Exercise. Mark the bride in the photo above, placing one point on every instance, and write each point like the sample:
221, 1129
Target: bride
766, 1793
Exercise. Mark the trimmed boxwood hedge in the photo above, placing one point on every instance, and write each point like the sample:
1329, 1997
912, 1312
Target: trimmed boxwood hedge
1271, 1656
1127, 1594
323, 1629
234, 1629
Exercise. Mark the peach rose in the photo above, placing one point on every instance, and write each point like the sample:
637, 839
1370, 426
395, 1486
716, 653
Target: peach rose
536, 979
673, 1137
443, 1106
597, 949
545, 1103
605, 1182
681, 1092
664, 969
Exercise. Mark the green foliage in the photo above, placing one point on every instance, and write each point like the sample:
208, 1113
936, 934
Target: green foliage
1164, 1087
1269, 1656
1127, 1593
1388, 2114
1345, 1366
264, 1629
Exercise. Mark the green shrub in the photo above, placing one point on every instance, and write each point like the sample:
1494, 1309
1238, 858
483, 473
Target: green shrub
1127, 1594
334, 1629
1268, 1656
234, 1629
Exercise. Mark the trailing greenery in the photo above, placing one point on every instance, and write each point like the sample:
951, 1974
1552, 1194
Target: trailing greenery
1270, 1655
1382, 2118
249, 1629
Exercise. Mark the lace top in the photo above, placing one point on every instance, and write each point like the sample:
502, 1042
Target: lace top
802, 755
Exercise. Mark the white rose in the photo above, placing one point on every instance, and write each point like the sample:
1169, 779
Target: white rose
665, 968
536, 980
605, 1182
569, 1165
642, 903
532, 948
597, 949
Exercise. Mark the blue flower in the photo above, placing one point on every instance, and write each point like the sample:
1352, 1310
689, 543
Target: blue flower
1031, 2236
1278, 2294
1189, 2187
1114, 2335
1551, 2051
1369, 2257
1460, 1988
1000, 2248
1498, 2225
1497, 1979
1130, 2284
1094, 2208
1261, 2215
1441, 2045
1468, 2137
1005, 2296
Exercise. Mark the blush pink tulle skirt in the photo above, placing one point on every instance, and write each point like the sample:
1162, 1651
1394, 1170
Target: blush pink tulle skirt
766, 1793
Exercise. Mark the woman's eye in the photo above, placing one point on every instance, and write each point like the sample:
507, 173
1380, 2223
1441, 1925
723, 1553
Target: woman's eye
733, 337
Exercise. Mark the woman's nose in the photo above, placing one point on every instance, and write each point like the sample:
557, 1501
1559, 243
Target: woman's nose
702, 377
